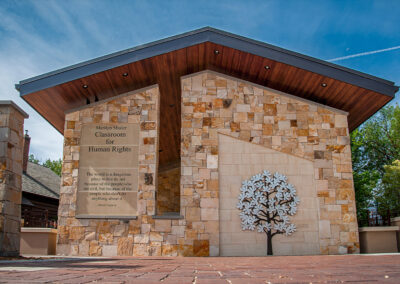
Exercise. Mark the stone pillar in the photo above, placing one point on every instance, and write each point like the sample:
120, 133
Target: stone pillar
11, 148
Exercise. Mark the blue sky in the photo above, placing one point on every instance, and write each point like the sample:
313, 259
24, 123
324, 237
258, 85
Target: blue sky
40, 36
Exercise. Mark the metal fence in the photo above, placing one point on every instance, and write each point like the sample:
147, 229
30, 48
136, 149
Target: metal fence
374, 219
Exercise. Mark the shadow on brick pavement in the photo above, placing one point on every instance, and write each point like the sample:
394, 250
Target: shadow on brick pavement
276, 269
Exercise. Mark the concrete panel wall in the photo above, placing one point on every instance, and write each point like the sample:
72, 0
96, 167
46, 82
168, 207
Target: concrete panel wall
239, 161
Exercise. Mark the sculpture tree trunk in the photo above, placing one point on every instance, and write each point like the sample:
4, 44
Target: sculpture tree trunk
269, 243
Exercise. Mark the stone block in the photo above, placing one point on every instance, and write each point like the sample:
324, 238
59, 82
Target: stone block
209, 203
110, 250
95, 249
141, 238
240, 117
125, 246
209, 214
156, 237
169, 250
192, 214
76, 233
340, 120
163, 225
324, 229
106, 238
243, 108
270, 109
201, 248
140, 250
212, 161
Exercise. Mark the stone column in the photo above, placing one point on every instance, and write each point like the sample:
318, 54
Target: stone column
11, 148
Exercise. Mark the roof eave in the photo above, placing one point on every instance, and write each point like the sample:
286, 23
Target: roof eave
199, 36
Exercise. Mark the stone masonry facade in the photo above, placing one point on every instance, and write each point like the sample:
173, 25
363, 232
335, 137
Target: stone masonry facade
11, 149
144, 236
212, 104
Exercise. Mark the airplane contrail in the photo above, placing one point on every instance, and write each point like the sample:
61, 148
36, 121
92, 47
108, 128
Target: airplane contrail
364, 53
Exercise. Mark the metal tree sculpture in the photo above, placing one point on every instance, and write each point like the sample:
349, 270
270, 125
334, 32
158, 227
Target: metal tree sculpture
266, 201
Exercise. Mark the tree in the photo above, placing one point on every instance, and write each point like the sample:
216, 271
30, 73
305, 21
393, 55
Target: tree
33, 159
266, 201
374, 144
54, 165
388, 193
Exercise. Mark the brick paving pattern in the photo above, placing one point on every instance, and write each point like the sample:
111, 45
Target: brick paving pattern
279, 269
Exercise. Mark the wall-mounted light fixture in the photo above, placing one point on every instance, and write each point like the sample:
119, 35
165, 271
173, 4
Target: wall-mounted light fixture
216, 51
324, 85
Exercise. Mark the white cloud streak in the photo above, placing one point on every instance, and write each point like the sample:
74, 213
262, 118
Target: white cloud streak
364, 53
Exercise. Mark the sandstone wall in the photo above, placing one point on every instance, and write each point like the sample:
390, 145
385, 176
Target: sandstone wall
214, 104
110, 237
11, 148
303, 134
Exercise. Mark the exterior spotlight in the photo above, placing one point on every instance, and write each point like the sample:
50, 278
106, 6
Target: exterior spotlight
85, 86
324, 85
216, 51
267, 67
125, 74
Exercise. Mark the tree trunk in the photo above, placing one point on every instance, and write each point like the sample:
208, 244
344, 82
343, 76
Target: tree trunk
269, 243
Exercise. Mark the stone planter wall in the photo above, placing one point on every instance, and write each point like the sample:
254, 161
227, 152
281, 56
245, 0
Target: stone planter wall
396, 222
39, 241
378, 239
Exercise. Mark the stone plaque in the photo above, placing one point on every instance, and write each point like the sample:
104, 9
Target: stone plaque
108, 171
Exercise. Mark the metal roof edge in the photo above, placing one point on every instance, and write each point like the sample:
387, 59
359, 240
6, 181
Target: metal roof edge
198, 36
303, 56
111, 55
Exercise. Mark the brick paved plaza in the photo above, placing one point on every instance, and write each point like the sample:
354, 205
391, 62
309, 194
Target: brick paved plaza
289, 269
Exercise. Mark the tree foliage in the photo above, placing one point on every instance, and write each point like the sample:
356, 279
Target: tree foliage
54, 165
33, 159
388, 193
373, 145
266, 202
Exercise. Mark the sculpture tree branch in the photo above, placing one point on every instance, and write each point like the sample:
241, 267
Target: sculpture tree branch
266, 202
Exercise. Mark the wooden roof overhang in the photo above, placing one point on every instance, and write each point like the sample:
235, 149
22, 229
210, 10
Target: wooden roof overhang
164, 62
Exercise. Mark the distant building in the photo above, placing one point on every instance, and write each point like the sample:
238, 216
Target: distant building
40, 193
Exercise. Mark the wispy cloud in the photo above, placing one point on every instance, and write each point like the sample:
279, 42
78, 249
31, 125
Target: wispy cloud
364, 53
40, 36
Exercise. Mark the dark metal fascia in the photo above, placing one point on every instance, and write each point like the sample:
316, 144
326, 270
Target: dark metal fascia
110, 61
305, 62
199, 36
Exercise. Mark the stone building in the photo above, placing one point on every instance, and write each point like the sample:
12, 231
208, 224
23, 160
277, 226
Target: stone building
160, 137
40, 193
